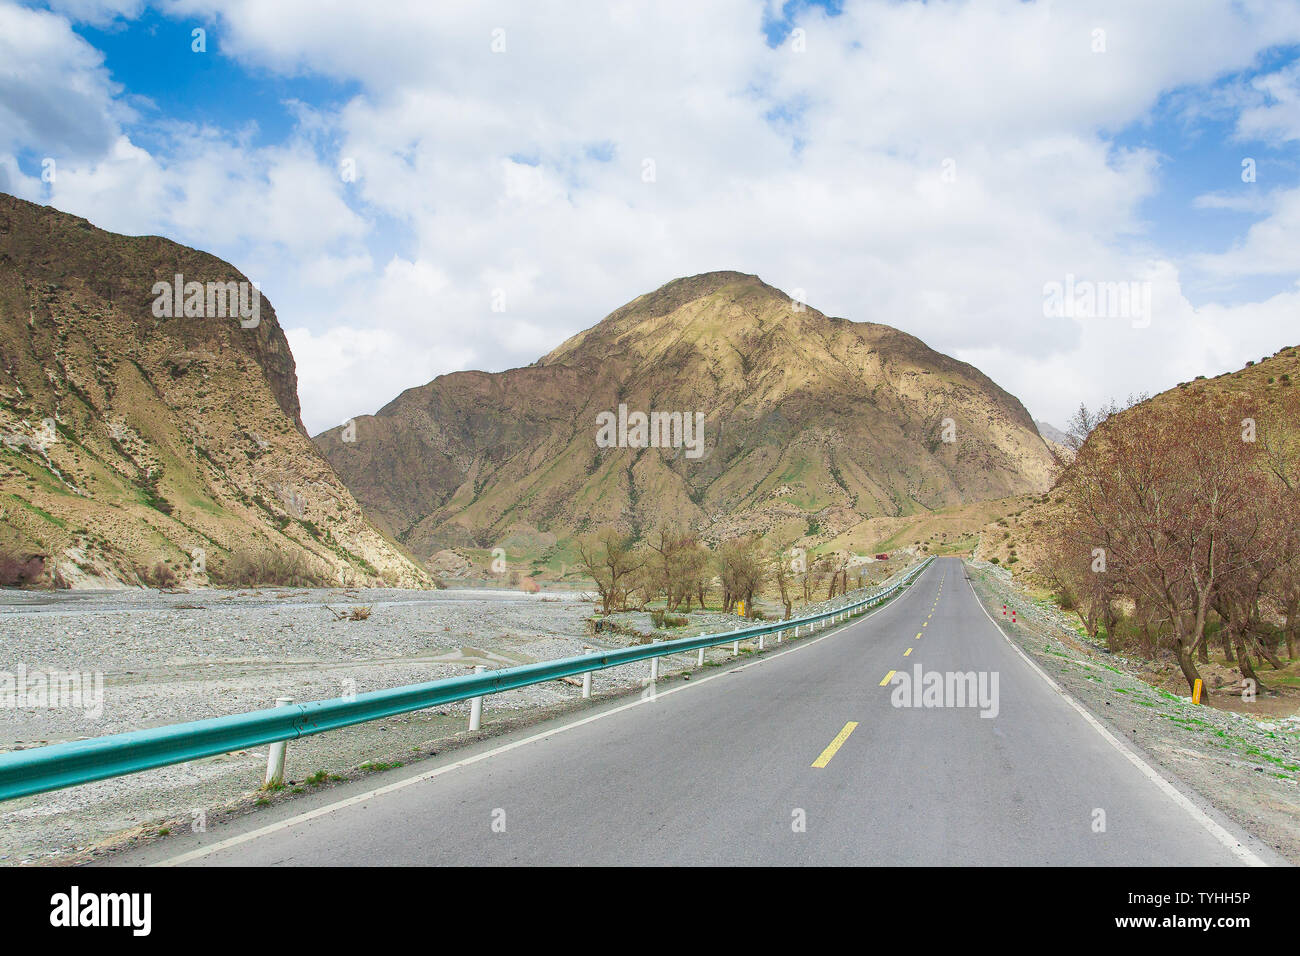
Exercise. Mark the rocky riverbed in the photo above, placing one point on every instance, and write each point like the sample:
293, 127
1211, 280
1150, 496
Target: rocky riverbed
159, 658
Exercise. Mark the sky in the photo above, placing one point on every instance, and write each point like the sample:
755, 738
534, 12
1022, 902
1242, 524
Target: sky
420, 188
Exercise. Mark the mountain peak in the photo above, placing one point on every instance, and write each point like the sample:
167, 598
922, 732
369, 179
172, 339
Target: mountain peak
810, 422
723, 303
675, 293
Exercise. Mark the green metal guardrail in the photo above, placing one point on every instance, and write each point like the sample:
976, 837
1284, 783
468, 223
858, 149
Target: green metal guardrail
41, 769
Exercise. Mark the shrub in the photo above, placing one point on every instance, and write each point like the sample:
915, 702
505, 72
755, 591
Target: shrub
159, 576
351, 614
662, 619
266, 568
1065, 598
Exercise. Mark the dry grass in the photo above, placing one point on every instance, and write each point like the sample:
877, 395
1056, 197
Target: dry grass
359, 613
266, 568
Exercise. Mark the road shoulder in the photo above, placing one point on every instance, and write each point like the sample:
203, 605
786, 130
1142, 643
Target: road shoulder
1248, 772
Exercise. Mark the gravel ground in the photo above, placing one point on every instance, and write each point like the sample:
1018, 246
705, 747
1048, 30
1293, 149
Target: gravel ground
168, 658
1248, 766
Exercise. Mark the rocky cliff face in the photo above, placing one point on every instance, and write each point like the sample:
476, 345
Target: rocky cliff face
134, 434
810, 425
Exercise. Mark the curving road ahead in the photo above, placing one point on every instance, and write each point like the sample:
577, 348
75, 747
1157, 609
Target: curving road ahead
798, 757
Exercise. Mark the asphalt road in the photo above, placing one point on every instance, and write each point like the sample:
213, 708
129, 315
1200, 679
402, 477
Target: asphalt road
721, 770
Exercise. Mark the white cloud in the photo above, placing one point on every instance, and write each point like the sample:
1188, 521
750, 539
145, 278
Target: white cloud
524, 171
98, 12
213, 192
1276, 115
55, 95
1251, 201
1271, 245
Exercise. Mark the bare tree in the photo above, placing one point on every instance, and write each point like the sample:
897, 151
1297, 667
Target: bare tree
1084, 567
818, 573
1164, 488
743, 569
1249, 560
838, 568
610, 560
783, 576
1279, 440
678, 562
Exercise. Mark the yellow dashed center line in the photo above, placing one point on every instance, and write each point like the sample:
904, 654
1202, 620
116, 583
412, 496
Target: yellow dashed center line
885, 680
907, 653
835, 745
918, 635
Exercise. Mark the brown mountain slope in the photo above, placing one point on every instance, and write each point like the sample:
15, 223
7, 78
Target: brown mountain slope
1021, 539
127, 438
811, 424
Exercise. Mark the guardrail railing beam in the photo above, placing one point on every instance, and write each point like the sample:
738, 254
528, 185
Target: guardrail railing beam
40, 769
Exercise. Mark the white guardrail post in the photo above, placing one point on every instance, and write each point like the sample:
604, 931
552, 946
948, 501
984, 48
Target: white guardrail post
476, 704
586, 677
275, 759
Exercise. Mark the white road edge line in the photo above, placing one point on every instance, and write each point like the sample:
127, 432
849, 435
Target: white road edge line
1238, 849
504, 748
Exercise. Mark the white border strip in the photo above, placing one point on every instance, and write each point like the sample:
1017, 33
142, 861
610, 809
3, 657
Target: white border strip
504, 748
1235, 846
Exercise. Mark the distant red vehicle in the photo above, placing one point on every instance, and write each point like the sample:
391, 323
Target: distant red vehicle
882, 557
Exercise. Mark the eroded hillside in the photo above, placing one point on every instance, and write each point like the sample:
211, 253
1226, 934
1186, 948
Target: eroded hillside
132, 440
